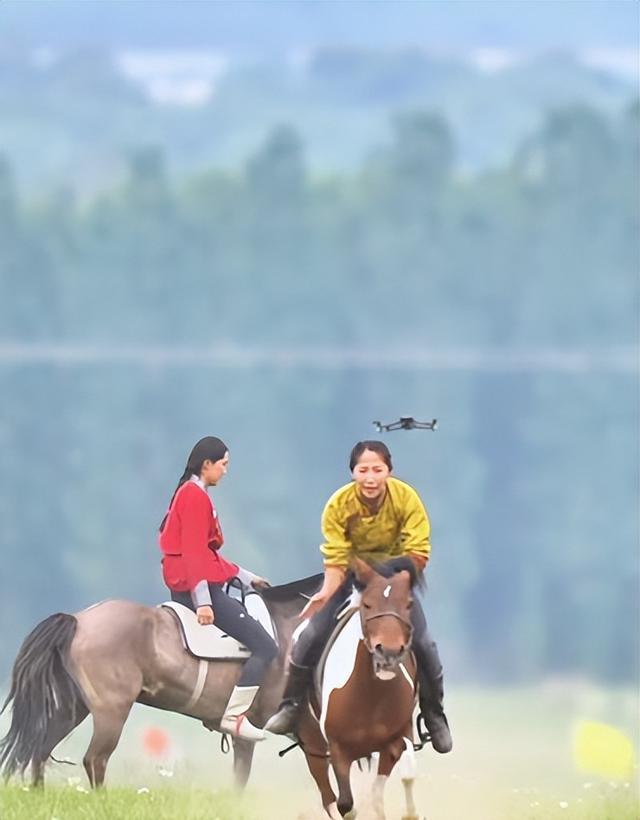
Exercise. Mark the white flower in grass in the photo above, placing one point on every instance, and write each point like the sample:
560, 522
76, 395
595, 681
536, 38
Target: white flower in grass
143, 790
165, 772
563, 804
25, 788
82, 790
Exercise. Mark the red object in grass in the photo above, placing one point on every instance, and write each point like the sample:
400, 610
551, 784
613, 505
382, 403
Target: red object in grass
155, 741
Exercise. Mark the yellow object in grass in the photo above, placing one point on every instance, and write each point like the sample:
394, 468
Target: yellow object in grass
603, 750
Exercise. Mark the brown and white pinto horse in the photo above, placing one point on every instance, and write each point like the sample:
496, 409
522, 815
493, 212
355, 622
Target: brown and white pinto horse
366, 696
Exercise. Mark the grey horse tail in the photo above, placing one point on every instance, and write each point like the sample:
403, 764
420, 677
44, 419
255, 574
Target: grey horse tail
42, 691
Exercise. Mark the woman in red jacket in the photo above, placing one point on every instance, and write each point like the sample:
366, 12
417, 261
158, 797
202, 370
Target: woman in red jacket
194, 571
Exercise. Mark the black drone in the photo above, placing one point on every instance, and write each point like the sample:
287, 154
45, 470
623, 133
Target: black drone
406, 423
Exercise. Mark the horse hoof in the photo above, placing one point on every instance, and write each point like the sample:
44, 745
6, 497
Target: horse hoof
350, 815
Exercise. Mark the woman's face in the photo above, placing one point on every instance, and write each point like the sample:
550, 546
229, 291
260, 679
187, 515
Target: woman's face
213, 471
371, 474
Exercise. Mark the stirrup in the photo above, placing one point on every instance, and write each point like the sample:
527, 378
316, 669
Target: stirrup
422, 732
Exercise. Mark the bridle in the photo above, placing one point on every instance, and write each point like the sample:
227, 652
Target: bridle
387, 613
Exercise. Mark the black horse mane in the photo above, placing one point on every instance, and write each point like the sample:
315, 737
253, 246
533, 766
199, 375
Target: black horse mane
304, 587
390, 568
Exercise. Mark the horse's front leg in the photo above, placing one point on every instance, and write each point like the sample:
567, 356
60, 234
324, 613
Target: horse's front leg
242, 758
316, 754
341, 762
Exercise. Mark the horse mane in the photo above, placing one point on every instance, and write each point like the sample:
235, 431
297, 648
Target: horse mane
304, 587
400, 564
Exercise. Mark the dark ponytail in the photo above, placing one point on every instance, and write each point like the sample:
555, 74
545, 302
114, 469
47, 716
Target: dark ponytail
208, 448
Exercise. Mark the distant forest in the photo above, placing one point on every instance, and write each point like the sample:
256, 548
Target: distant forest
532, 479
71, 117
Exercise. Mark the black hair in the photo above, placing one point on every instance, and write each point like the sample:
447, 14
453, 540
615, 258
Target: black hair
378, 447
208, 448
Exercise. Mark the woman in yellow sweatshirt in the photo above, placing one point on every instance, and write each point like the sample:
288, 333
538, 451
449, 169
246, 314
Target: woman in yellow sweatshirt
376, 517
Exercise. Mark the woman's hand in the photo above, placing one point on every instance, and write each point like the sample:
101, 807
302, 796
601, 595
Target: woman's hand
260, 583
205, 615
315, 604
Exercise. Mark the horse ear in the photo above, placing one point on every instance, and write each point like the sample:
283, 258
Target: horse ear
362, 570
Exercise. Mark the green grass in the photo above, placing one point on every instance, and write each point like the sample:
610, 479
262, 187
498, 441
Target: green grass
160, 804
178, 802
512, 760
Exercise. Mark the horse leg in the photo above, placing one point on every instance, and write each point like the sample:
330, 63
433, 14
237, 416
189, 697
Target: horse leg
378, 795
400, 750
408, 774
57, 730
319, 768
342, 768
242, 758
107, 728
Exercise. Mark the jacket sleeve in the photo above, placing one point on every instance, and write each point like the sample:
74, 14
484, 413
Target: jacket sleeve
195, 521
337, 548
415, 533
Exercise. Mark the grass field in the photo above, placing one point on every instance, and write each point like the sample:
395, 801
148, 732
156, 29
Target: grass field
512, 759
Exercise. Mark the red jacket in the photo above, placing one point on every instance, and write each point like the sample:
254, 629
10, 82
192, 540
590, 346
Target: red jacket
190, 542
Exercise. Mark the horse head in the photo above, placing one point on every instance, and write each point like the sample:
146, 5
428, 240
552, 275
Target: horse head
385, 612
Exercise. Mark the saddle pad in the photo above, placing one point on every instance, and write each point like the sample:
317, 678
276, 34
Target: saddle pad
212, 643
338, 660
343, 616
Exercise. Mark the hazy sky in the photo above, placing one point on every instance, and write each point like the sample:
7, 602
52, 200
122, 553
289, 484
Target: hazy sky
274, 25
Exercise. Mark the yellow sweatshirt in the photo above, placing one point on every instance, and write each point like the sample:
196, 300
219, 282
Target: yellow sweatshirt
400, 527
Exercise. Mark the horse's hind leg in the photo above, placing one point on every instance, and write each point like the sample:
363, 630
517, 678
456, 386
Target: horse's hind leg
378, 796
58, 729
107, 728
400, 750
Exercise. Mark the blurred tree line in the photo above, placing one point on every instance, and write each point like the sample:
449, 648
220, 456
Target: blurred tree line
532, 480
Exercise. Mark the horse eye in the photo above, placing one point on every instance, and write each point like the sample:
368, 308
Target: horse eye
366, 606
409, 604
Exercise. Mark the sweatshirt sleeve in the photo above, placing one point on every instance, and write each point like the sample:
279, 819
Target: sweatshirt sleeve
195, 520
415, 533
337, 548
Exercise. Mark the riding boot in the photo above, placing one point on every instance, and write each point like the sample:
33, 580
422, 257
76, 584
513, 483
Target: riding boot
235, 721
285, 719
431, 693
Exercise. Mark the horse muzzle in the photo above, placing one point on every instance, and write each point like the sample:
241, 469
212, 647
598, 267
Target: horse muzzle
386, 663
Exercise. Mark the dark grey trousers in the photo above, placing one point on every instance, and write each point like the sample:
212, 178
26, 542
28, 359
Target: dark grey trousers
231, 617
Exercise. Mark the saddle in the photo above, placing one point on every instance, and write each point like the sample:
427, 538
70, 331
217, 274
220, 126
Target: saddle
209, 642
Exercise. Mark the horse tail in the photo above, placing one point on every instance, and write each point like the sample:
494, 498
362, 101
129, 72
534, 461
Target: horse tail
42, 691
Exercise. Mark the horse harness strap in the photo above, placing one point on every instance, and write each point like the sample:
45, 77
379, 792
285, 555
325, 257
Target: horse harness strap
388, 613
203, 668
